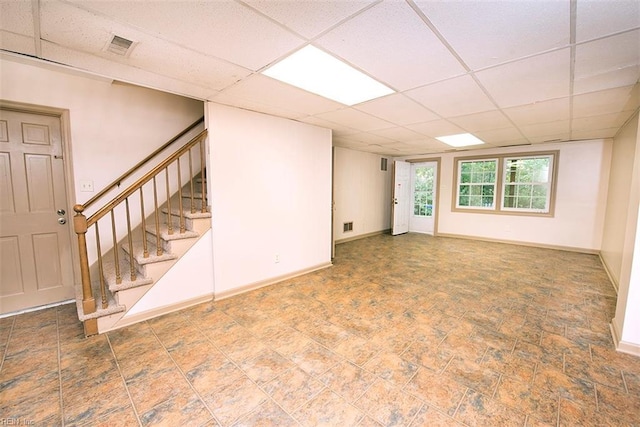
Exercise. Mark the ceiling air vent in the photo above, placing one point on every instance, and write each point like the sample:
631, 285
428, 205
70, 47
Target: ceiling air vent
119, 46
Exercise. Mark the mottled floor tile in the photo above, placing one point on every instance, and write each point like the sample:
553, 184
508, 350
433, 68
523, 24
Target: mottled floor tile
437, 390
265, 366
478, 410
293, 388
610, 376
405, 307
267, 415
356, 349
231, 402
473, 375
616, 405
428, 356
508, 364
389, 405
348, 380
328, 409
315, 359
531, 400
179, 410
632, 381
558, 383
392, 367
429, 417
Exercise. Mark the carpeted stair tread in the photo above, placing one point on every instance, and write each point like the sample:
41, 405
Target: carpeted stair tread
138, 253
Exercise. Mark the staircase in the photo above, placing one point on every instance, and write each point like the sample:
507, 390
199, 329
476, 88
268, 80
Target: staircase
128, 244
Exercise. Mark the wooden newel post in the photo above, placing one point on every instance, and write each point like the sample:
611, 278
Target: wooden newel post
80, 227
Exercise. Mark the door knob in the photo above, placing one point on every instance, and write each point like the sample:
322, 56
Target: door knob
62, 221
61, 212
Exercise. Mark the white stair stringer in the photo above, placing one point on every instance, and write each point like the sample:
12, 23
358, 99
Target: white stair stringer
149, 270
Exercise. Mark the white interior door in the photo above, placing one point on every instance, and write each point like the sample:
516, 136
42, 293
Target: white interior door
423, 197
35, 239
401, 197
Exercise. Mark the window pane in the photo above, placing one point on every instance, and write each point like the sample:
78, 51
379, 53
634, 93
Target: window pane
527, 182
477, 183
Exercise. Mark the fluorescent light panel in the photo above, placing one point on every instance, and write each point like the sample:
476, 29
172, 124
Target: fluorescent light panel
460, 140
318, 72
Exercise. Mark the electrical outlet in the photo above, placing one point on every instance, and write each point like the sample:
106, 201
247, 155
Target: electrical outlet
277, 258
86, 186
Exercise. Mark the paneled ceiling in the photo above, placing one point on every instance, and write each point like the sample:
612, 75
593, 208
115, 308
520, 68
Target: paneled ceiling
512, 72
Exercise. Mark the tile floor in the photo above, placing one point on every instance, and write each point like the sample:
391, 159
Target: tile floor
408, 330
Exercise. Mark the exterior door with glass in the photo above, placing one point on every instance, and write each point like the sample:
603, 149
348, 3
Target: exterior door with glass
423, 197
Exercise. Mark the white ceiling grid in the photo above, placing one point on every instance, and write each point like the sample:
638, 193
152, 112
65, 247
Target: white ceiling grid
511, 72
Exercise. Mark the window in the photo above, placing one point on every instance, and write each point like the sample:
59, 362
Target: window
527, 184
477, 183
510, 184
423, 191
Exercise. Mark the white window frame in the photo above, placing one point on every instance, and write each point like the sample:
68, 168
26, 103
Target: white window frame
498, 205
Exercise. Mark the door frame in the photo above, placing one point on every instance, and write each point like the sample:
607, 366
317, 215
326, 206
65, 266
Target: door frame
65, 131
437, 160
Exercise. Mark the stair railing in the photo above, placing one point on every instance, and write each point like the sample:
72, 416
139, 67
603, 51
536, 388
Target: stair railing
82, 224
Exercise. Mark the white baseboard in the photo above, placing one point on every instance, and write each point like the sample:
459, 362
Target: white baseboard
159, 311
257, 285
362, 236
519, 243
622, 346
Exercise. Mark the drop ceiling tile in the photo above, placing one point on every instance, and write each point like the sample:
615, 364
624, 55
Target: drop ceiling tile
529, 80
224, 29
391, 43
378, 149
370, 138
482, 121
125, 73
540, 112
13, 42
436, 128
489, 33
309, 18
544, 129
338, 129
606, 101
346, 143
355, 119
594, 134
549, 139
453, 97
605, 121
17, 17
268, 91
597, 18
148, 53
172, 60
398, 109
397, 134
608, 63
506, 136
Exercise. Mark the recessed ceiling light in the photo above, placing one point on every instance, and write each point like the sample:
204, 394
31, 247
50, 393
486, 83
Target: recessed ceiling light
318, 72
460, 140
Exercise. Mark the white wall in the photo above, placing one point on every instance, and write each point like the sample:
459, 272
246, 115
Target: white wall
113, 126
362, 193
270, 196
582, 181
621, 245
190, 279
615, 226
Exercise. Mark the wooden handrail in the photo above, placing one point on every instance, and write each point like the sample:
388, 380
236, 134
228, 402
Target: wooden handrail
82, 223
125, 175
140, 182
